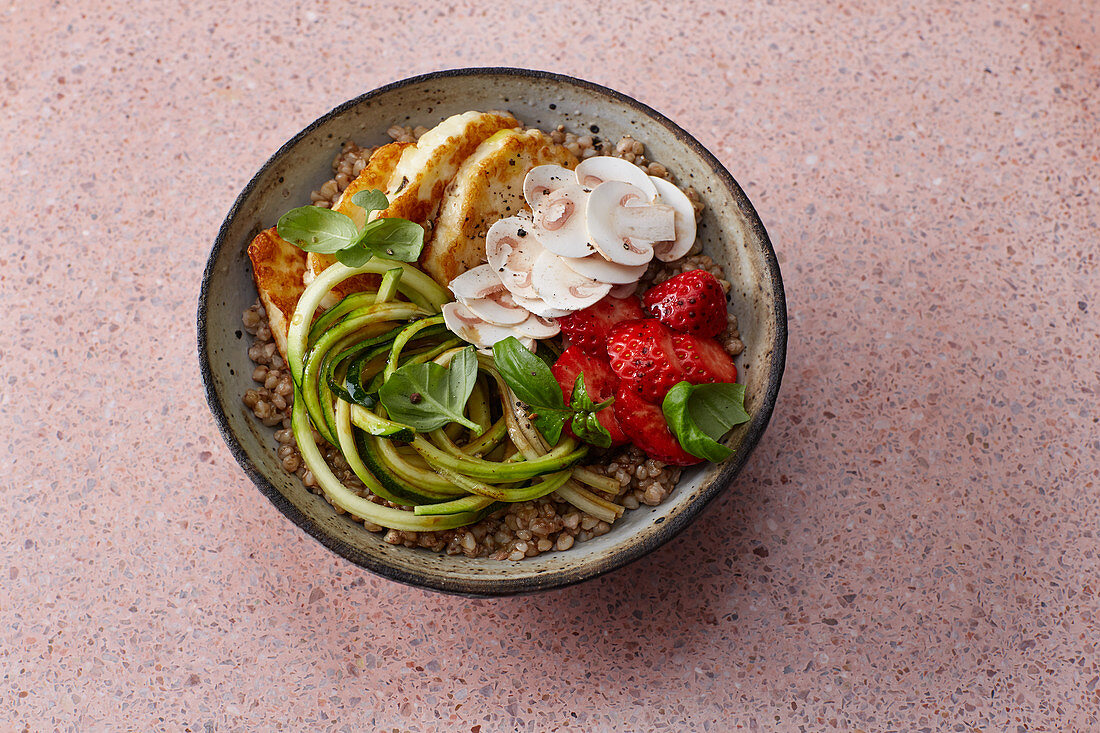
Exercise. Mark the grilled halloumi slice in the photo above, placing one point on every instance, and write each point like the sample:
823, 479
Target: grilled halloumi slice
487, 187
424, 171
375, 175
277, 268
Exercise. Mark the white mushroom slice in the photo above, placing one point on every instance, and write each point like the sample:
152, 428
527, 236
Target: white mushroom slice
512, 249
596, 267
623, 291
562, 288
499, 308
468, 327
476, 283
538, 328
559, 219
623, 226
542, 180
539, 307
671, 195
593, 171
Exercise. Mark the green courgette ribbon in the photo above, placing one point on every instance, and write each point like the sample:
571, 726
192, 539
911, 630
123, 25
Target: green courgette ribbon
442, 478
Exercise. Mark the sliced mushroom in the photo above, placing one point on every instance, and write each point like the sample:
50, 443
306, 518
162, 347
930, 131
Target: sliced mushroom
539, 307
499, 308
559, 219
593, 171
670, 195
478, 282
468, 327
562, 288
623, 291
596, 267
623, 226
538, 328
542, 180
512, 249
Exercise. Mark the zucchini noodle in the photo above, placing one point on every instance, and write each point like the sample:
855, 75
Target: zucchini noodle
441, 479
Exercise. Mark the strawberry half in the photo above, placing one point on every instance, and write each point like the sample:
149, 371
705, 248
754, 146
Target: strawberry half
692, 302
643, 355
645, 425
703, 359
588, 328
599, 381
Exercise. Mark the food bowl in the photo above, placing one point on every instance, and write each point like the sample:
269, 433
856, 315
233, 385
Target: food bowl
730, 230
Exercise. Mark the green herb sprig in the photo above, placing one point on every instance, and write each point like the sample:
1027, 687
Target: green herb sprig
324, 231
428, 396
534, 384
700, 414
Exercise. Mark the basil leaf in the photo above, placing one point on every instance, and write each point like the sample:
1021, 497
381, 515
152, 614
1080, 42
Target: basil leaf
354, 256
716, 408
549, 423
462, 375
585, 424
528, 376
581, 401
427, 396
700, 414
316, 229
534, 384
588, 428
370, 201
393, 239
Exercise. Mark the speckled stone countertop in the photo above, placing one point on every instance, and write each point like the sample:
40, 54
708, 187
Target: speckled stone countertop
913, 546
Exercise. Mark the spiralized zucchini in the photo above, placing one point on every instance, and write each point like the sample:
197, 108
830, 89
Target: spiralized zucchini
441, 479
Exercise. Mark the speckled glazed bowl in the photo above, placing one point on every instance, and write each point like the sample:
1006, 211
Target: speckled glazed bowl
731, 232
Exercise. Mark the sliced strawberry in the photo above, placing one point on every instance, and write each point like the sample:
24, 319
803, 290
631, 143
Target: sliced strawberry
588, 328
692, 302
645, 425
703, 359
644, 356
599, 381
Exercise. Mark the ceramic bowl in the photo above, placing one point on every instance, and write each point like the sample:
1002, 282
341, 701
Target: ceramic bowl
731, 233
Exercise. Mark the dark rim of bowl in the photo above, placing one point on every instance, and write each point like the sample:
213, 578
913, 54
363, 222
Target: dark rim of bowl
485, 588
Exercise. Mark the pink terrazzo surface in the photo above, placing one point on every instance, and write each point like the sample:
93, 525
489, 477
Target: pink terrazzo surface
914, 545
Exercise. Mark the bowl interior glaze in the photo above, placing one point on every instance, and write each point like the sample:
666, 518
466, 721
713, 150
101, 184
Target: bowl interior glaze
731, 233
